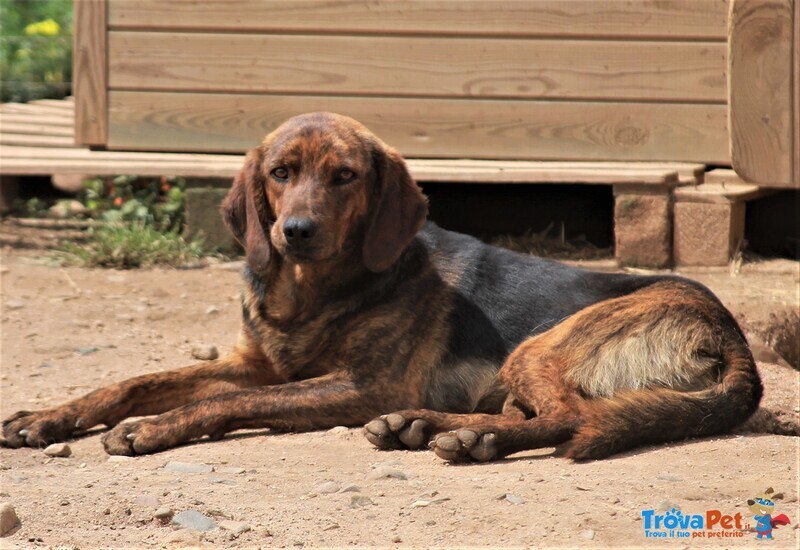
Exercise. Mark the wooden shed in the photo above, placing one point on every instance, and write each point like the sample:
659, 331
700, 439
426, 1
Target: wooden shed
657, 98
709, 81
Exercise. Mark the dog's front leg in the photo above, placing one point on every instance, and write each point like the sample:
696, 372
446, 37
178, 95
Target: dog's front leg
140, 396
318, 403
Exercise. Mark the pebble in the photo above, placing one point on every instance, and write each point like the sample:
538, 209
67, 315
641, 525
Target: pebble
357, 501
326, 488
235, 527
188, 468
342, 431
588, 534
221, 481
192, 519
8, 518
425, 502
88, 350
164, 514
212, 310
396, 539
670, 477
665, 505
205, 352
147, 500
14, 304
513, 499
229, 470
60, 450
381, 472
119, 458
67, 209
350, 488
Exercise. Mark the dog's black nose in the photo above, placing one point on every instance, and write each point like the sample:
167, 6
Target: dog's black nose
299, 230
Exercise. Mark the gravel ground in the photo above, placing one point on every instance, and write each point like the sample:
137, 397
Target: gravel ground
66, 331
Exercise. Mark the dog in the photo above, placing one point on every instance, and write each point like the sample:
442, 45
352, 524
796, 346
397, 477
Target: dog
354, 306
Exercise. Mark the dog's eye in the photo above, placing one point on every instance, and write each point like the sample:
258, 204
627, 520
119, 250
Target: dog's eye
345, 176
280, 173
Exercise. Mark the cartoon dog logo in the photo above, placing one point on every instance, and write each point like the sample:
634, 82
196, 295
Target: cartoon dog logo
762, 506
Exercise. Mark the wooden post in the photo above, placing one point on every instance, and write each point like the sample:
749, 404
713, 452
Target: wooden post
760, 91
90, 74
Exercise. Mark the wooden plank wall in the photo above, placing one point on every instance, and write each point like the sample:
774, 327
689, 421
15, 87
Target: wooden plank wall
526, 79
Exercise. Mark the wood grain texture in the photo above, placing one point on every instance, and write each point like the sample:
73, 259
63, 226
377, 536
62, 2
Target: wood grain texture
30, 109
419, 66
28, 127
90, 76
432, 128
47, 160
36, 140
44, 119
796, 93
760, 89
642, 18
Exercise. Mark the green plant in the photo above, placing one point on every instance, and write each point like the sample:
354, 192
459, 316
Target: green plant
137, 244
35, 49
156, 202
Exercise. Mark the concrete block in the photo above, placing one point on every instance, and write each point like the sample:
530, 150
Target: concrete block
707, 234
643, 229
203, 218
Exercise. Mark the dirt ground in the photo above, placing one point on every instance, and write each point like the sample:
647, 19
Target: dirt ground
66, 331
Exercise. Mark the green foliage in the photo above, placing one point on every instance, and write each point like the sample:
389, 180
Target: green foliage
35, 49
126, 246
156, 202
144, 216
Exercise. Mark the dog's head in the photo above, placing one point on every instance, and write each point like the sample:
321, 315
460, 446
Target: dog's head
322, 187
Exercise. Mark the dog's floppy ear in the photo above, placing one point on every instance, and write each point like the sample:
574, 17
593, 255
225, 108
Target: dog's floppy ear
399, 211
246, 212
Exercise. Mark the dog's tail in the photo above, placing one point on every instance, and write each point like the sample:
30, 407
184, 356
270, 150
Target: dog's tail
644, 417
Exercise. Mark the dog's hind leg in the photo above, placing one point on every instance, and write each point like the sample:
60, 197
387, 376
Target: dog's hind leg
533, 376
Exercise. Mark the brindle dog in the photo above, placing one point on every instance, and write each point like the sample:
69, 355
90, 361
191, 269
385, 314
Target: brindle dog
354, 307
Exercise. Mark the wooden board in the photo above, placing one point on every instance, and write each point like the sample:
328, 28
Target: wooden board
538, 130
696, 19
90, 78
760, 88
36, 140
419, 66
30, 109
42, 120
796, 93
36, 160
37, 129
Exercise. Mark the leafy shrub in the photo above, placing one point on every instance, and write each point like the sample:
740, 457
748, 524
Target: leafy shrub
35, 49
156, 202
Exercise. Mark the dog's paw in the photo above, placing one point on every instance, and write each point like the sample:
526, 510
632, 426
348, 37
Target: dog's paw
39, 428
395, 431
136, 438
465, 445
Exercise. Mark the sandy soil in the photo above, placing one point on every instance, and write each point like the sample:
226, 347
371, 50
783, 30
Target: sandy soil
66, 331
